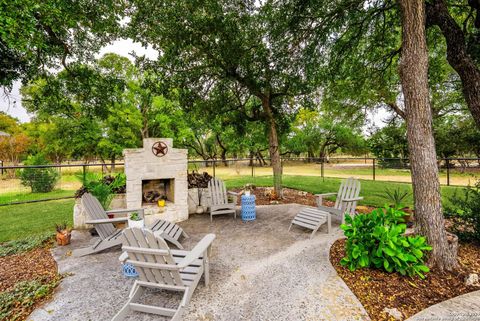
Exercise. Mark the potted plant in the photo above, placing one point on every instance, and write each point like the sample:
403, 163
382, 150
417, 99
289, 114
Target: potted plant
161, 202
64, 234
134, 220
248, 189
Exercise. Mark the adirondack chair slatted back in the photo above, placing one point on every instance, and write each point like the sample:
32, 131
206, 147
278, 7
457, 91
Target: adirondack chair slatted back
218, 191
135, 241
96, 212
350, 188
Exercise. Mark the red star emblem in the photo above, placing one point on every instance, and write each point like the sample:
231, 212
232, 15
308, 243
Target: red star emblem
159, 149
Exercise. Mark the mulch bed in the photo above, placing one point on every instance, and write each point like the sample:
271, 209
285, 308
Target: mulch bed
377, 289
264, 196
37, 264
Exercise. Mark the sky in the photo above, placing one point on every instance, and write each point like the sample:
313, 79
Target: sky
12, 104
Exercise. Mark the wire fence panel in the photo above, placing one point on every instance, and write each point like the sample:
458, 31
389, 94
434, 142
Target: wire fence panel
22, 184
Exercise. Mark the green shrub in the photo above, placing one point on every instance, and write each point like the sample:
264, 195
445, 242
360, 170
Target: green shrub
23, 245
377, 240
40, 180
23, 296
103, 188
464, 212
396, 197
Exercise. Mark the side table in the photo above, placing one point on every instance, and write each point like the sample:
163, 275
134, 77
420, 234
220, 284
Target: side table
249, 212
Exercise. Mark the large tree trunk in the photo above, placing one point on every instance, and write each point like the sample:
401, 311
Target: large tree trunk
457, 55
273, 147
112, 160
223, 153
426, 185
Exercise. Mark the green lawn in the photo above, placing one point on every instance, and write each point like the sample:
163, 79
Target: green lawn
19, 221
24, 220
12, 197
371, 190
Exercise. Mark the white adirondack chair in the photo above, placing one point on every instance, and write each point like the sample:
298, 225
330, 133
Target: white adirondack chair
346, 200
160, 268
219, 199
110, 236
312, 218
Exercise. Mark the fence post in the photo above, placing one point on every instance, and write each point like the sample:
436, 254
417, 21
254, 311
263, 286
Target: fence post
373, 168
322, 168
59, 182
84, 173
448, 171
214, 165
1, 164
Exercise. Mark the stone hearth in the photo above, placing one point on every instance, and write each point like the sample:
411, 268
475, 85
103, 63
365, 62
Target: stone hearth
165, 175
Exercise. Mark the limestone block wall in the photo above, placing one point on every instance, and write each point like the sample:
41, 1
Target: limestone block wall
141, 164
80, 216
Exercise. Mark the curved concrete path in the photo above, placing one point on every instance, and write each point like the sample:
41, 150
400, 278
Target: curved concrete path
465, 307
259, 271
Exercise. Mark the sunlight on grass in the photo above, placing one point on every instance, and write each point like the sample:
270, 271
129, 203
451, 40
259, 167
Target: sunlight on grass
372, 191
24, 220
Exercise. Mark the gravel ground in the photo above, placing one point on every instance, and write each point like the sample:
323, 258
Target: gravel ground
259, 271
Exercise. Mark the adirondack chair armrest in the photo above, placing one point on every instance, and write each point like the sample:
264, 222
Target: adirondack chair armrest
235, 195
319, 197
126, 211
325, 194
107, 220
123, 257
197, 251
353, 199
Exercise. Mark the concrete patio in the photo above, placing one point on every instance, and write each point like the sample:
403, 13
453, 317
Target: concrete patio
259, 271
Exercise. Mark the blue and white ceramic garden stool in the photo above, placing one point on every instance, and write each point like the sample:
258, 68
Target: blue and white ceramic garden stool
249, 212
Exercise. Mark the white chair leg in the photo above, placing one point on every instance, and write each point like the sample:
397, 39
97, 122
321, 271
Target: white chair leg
206, 269
329, 223
124, 311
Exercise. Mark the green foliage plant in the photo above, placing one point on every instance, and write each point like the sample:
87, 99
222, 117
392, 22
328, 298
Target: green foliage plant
135, 217
378, 240
103, 190
25, 244
40, 180
464, 211
396, 197
61, 227
119, 182
23, 296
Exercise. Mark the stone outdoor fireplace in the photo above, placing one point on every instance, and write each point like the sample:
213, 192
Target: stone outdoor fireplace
157, 171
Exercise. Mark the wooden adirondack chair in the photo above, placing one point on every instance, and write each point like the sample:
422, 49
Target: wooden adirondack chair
312, 219
219, 199
160, 268
110, 236
346, 200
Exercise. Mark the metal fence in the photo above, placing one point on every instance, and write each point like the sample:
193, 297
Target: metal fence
23, 184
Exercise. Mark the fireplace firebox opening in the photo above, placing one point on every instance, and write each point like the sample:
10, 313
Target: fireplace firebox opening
154, 190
